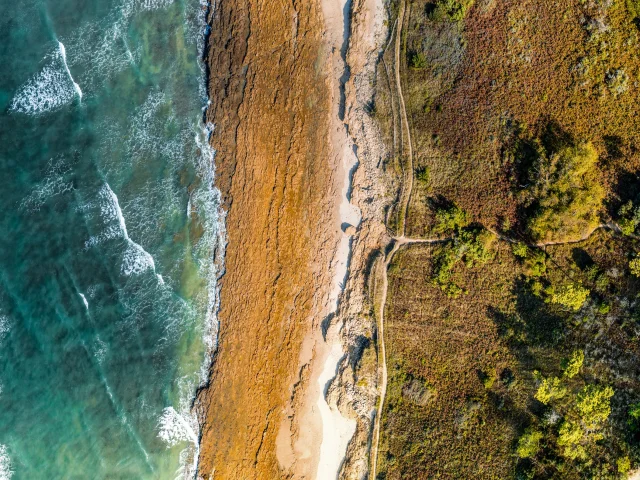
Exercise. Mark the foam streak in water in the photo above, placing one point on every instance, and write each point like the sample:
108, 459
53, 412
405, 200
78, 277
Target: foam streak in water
84, 300
63, 53
136, 259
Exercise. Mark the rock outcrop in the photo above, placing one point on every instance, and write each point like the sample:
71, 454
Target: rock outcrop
269, 104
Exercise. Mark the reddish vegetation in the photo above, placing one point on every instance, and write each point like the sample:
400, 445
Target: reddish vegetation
526, 65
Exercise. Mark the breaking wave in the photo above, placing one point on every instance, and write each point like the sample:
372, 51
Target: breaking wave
48, 90
135, 259
6, 472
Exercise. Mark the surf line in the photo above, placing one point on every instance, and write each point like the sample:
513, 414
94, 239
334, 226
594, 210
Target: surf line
63, 53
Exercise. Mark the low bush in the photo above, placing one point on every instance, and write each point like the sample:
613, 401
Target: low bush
417, 60
529, 444
550, 389
628, 218
450, 219
565, 195
594, 405
571, 296
634, 266
451, 10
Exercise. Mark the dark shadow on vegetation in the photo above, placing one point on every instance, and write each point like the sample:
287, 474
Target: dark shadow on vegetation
581, 258
613, 143
512, 330
429, 9
356, 350
542, 327
627, 187
554, 137
440, 202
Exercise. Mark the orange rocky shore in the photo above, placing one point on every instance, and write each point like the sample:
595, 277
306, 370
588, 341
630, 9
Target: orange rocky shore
286, 139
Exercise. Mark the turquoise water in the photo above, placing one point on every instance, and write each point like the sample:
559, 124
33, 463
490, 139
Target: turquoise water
110, 238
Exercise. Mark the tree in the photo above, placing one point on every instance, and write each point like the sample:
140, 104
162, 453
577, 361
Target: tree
634, 266
629, 218
623, 464
571, 296
574, 364
594, 405
529, 443
453, 10
570, 438
565, 194
451, 219
550, 389
520, 250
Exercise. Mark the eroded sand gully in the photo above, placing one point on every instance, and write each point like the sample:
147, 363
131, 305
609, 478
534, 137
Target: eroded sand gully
284, 157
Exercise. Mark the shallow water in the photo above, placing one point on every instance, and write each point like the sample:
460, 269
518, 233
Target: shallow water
109, 229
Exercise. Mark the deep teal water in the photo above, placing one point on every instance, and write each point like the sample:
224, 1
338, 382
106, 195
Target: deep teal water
109, 238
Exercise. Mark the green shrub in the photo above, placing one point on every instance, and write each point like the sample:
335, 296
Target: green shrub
574, 364
474, 246
529, 444
634, 414
570, 438
594, 405
451, 219
535, 265
634, 266
595, 275
565, 194
623, 464
571, 296
417, 60
452, 10
444, 263
422, 175
628, 218
520, 250
634, 8
550, 389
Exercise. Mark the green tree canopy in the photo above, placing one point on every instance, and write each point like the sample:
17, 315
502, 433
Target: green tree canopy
594, 405
565, 193
574, 364
571, 296
529, 443
550, 389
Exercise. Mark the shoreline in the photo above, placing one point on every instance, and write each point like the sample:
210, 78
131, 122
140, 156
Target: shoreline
308, 425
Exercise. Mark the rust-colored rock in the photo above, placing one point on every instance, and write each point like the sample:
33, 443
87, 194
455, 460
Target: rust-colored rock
270, 104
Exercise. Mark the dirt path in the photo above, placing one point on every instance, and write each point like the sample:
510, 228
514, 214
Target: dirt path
405, 134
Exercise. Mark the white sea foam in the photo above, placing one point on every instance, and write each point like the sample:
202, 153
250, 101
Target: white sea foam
55, 182
135, 259
100, 350
175, 428
6, 472
4, 326
63, 54
84, 300
154, 4
50, 89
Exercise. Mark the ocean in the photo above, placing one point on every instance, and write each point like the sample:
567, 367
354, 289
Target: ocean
111, 238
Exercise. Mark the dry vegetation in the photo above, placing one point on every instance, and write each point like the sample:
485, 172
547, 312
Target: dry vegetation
525, 120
